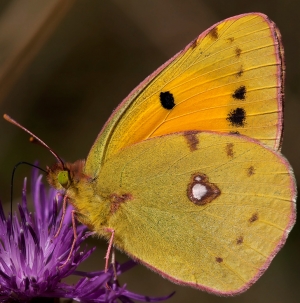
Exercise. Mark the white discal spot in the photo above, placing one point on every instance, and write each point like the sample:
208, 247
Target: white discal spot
199, 190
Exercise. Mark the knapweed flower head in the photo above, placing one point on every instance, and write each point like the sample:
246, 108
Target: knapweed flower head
31, 257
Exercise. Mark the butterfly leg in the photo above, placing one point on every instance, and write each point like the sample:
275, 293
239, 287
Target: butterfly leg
64, 207
111, 250
113, 263
74, 240
110, 245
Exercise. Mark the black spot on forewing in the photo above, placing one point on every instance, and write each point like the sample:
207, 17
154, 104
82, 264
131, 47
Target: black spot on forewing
240, 93
219, 259
167, 100
237, 117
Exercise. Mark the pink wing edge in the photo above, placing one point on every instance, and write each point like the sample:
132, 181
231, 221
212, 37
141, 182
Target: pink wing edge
292, 220
280, 82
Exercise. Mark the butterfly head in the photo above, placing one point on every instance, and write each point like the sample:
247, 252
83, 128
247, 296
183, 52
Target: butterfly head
63, 176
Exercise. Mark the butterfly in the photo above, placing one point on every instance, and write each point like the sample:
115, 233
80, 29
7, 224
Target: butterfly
186, 176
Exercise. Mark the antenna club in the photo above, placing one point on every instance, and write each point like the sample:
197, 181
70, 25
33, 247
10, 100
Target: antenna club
7, 117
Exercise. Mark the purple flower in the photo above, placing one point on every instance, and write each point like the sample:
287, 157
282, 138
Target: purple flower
31, 257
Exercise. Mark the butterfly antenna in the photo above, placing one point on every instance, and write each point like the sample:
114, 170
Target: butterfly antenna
12, 182
12, 121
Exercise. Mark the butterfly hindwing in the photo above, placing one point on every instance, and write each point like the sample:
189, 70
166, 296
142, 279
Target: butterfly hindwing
213, 208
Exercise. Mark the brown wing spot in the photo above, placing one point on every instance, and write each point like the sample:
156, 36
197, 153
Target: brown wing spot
238, 52
229, 150
240, 72
234, 132
250, 171
219, 259
191, 139
200, 191
194, 43
117, 200
253, 218
231, 39
239, 240
214, 33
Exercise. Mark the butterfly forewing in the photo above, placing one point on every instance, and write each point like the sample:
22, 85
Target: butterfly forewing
228, 80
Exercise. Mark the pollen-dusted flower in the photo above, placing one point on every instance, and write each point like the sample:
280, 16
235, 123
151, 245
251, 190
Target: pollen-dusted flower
31, 257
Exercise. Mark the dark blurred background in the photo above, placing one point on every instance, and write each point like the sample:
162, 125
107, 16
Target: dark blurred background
65, 65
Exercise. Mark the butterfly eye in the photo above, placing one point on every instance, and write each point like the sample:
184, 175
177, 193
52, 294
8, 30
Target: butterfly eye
63, 178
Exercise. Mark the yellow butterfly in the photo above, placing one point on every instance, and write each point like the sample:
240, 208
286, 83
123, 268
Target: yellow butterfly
186, 176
